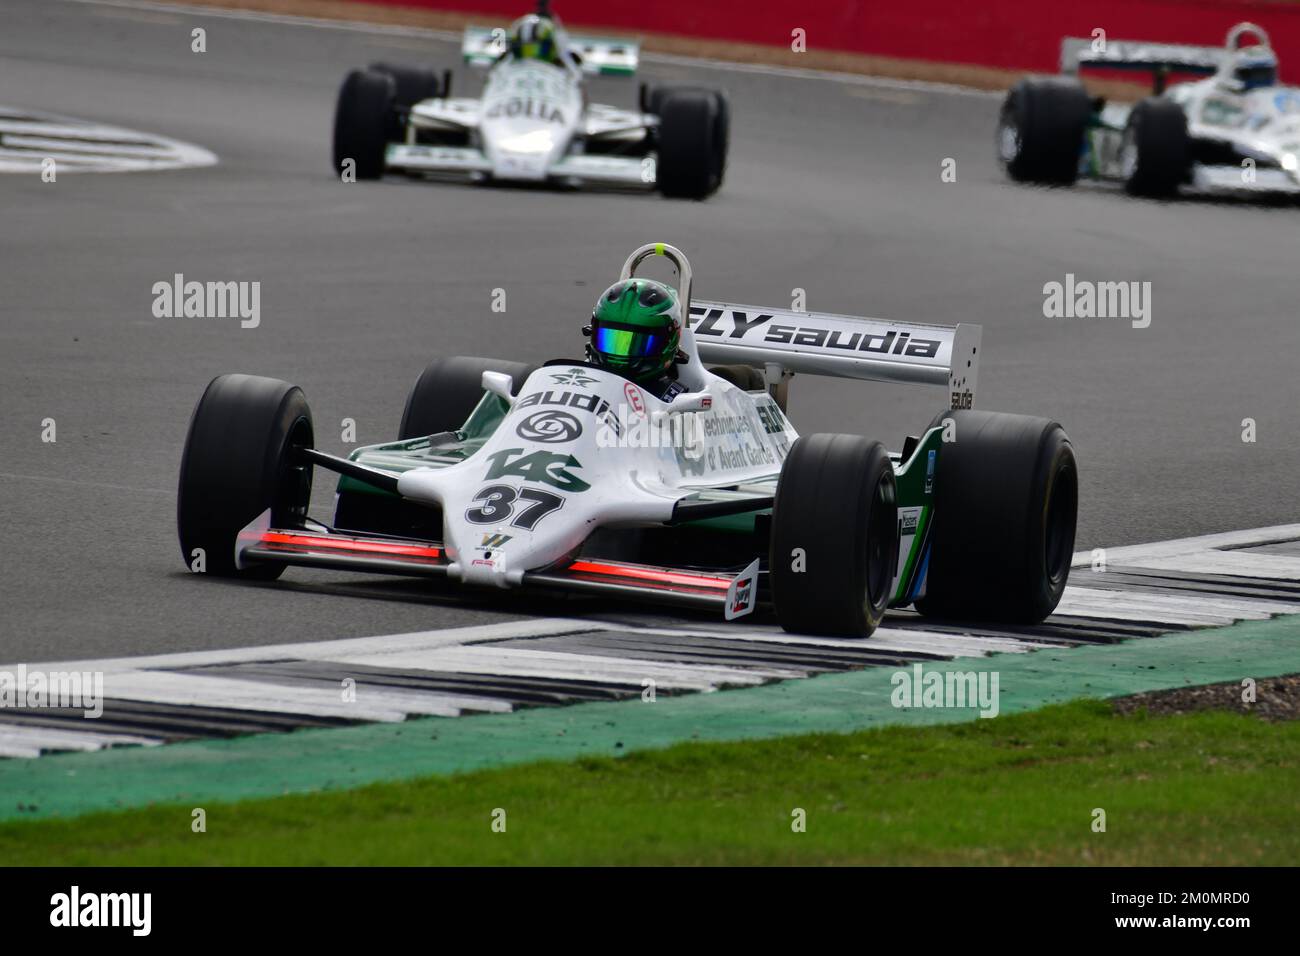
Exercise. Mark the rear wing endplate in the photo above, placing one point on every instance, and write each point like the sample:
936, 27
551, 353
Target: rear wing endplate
821, 343
606, 56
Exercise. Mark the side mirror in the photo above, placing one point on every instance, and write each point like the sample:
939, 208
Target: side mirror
499, 383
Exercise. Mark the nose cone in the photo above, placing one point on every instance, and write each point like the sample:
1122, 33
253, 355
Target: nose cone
525, 137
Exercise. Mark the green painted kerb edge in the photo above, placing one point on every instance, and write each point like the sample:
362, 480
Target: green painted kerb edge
194, 774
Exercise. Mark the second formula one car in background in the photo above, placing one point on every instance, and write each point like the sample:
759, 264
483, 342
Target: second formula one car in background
1236, 130
688, 487
533, 122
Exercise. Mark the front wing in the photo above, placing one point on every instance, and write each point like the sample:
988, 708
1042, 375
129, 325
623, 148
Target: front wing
1229, 179
594, 169
733, 593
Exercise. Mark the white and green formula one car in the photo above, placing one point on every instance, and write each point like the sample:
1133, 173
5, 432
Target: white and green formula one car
1235, 130
661, 467
534, 122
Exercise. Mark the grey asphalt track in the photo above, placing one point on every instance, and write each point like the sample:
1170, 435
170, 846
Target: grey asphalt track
833, 187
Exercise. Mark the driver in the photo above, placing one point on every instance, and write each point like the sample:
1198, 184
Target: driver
535, 38
1250, 68
636, 331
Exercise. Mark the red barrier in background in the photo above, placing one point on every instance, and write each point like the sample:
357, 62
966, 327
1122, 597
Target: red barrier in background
1010, 34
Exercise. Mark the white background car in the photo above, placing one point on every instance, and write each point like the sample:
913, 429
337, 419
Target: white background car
1212, 135
533, 122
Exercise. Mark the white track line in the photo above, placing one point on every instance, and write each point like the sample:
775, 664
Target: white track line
83, 146
79, 151
1143, 615
329, 650
1239, 608
1138, 554
1230, 562
18, 740
883, 639
165, 687
79, 130
481, 659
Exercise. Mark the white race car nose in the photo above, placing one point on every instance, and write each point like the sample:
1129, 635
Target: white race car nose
507, 165
534, 142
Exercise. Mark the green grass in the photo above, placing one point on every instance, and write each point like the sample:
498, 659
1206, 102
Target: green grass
1209, 788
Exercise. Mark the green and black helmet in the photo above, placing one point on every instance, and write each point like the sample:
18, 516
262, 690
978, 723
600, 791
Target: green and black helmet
534, 38
636, 329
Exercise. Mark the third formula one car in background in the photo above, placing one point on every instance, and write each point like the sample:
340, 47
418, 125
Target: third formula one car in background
533, 122
643, 473
1236, 130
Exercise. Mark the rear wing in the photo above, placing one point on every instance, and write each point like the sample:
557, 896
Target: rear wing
1158, 59
606, 56
821, 343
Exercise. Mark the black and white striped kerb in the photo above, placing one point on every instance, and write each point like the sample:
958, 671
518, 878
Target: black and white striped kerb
1149, 591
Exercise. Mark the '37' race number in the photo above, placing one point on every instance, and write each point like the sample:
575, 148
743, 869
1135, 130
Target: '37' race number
498, 504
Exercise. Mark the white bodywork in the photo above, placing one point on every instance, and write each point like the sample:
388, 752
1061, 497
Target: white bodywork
583, 448
1261, 127
532, 124
539, 466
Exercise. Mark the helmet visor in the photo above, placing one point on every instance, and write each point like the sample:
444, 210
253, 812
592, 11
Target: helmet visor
1254, 77
628, 342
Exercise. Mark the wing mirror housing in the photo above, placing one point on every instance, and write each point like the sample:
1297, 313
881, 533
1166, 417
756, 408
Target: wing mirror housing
692, 402
499, 383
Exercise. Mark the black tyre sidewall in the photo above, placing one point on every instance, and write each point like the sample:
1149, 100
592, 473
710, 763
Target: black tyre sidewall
721, 125
237, 463
690, 156
1051, 118
447, 391
823, 506
362, 122
994, 487
1159, 129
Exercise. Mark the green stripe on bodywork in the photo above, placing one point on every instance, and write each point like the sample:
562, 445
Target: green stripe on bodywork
742, 523
401, 456
910, 476
914, 555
